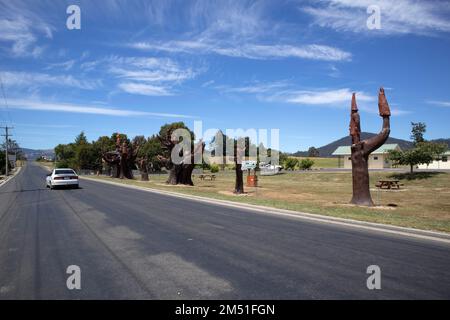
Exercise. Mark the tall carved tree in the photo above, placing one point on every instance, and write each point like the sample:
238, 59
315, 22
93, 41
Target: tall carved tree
180, 172
122, 159
362, 149
239, 154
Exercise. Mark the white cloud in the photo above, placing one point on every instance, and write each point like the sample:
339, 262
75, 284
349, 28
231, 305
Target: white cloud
144, 89
74, 108
148, 76
65, 65
321, 97
255, 88
22, 28
37, 80
397, 17
250, 51
440, 103
242, 29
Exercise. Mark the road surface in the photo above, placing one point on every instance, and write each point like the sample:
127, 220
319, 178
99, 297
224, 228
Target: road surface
131, 244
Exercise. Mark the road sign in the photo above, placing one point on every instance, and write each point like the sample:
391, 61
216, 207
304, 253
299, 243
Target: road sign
248, 164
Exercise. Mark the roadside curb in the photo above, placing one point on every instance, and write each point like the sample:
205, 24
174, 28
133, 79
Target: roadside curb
371, 226
9, 178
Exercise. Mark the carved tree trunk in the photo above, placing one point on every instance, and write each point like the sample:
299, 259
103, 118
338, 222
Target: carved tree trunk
143, 168
239, 185
239, 154
361, 151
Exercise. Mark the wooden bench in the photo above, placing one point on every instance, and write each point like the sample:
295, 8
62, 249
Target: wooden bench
388, 184
207, 177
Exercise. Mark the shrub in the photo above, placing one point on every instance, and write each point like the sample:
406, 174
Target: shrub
290, 163
306, 164
214, 168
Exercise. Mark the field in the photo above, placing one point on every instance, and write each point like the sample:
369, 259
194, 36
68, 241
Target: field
423, 202
322, 162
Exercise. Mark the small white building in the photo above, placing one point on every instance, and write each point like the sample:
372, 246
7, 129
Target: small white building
377, 159
440, 163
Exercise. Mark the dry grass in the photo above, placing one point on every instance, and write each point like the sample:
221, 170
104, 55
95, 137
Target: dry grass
423, 202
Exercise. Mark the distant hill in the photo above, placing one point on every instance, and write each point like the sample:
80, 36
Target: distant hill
328, 149
33, 154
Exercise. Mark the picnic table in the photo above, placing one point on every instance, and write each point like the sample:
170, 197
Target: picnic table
207, 177
388, 184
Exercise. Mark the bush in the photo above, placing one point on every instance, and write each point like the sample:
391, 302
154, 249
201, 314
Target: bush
214, 168
306, 164
290, 163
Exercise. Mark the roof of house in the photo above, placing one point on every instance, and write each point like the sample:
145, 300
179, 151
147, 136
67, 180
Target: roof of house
345, 150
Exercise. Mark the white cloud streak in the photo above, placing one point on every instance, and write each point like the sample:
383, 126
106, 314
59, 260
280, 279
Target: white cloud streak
439, 103
397, 17
74, 108
38, 80
249, 51
325, 97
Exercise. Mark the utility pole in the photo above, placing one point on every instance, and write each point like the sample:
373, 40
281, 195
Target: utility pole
6, 135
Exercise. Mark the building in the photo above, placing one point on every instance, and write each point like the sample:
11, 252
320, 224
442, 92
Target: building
440, 163
377, 159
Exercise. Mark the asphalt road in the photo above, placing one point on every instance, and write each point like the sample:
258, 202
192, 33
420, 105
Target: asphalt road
134, 244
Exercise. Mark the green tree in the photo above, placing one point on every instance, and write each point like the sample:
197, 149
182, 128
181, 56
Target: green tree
313, 152
422, 153
417, 131
81, 139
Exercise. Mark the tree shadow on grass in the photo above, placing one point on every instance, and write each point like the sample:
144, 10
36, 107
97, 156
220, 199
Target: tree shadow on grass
415, 175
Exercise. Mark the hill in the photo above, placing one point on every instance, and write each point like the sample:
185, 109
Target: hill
33, 154
327, 150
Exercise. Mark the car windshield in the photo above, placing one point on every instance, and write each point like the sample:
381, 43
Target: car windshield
64, 172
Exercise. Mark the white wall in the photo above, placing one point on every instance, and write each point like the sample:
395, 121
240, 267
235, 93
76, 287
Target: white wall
436, 165
376, 161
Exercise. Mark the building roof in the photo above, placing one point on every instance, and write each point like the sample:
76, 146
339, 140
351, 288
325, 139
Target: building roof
385, 148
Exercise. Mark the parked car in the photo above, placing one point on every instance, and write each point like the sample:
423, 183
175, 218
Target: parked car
62, 177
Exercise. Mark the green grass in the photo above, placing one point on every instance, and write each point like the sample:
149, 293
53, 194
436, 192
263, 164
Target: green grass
423, 203
322, 162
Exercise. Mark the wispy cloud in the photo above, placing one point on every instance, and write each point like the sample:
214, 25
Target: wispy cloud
65, 65
439, 103
254, 88
144, 89
397, 17
241, 29
325, 97
38, 80
34, 105
21, 28
148, 76
250, 51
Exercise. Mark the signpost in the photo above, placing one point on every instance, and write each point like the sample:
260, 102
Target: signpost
248, 165
252, 179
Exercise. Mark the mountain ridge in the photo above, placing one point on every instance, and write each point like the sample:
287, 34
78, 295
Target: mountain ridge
328, 149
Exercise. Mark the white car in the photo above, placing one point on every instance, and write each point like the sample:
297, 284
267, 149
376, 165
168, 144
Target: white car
62, 177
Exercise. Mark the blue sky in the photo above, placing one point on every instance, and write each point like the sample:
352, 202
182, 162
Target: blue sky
290, 65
